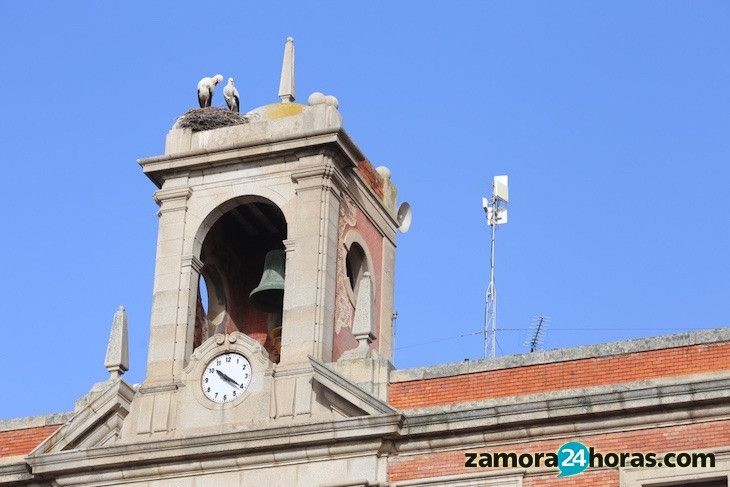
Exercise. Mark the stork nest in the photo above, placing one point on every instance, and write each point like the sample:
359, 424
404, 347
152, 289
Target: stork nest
199, 119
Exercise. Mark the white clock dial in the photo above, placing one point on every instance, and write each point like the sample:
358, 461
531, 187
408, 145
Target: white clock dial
226, 377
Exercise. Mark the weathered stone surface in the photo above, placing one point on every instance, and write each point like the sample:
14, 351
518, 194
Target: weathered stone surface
363, 322
117, 352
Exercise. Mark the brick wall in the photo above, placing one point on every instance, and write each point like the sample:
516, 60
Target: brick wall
23, 441
353, 217
561, 375
715, 434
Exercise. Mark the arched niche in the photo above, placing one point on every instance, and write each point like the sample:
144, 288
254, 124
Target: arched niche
234, 240
358, 260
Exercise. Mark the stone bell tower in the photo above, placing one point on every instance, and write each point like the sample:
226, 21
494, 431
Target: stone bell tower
236, 193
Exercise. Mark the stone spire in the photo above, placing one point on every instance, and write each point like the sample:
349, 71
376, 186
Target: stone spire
362, 325
286, 83
117, 351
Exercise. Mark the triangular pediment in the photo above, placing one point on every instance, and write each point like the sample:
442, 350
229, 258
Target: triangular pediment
96, 421
345, 396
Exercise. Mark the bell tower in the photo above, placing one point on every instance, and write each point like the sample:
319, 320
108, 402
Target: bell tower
276, 244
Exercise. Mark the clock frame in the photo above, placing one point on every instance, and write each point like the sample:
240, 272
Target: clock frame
220, 345
226, 377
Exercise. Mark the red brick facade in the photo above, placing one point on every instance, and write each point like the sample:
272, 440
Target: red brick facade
23, 441
673, 438
561, 375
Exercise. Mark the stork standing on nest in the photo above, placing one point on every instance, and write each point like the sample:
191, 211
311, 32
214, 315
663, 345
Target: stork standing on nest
230, 93
205, 89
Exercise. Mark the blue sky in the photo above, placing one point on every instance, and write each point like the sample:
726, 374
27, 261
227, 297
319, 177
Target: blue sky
611, 119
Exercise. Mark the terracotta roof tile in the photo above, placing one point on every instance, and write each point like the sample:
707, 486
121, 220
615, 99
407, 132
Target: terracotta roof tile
23, 441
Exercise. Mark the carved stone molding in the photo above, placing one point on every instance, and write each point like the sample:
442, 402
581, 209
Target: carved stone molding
191, 261
164, 195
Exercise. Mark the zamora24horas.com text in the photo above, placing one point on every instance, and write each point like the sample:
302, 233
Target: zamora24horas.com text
574, 457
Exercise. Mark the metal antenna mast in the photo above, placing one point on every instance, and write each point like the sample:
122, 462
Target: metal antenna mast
496, 215
537, 333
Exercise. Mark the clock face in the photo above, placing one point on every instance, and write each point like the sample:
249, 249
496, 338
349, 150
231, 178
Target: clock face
226, 377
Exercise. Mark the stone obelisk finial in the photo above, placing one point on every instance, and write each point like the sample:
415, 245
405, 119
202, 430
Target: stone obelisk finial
117, 352
286, 83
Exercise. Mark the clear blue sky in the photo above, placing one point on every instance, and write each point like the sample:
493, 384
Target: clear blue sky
612, 121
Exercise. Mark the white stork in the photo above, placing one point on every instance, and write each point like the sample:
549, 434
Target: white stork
230, 93
205, 89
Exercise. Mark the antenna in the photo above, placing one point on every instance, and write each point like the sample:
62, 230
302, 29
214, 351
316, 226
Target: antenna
496, 213
539, 325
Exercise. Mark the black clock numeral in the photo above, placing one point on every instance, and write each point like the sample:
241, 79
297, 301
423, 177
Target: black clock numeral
238, 360
218, 362
216, 394
245, 376
244, 366
206, 380
225, 397
211, 370
228, 358
234, 393
208, 389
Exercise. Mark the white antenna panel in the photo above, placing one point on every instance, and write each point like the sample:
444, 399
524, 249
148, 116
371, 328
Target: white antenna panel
501, 216
501, 188
496, 216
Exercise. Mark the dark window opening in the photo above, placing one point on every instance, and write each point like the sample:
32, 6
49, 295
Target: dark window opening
355, 265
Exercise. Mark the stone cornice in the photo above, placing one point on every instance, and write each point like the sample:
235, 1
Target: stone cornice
156, 168
269, 441
578, 426
619, 407
333, 140
184, 467
14, 472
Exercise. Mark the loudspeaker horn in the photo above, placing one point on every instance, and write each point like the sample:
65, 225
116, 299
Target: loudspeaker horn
404, 217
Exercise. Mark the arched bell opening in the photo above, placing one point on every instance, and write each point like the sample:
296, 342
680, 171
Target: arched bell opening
243, 275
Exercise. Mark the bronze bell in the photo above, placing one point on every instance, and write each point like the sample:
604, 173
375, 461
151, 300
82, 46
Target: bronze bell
269, 294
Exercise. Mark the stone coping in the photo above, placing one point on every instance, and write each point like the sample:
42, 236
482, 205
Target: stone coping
699, 337
34, 421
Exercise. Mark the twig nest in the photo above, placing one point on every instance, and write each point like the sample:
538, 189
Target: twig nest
200, 119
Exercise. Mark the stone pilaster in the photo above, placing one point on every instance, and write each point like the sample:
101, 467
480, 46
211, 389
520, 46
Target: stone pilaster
309, 298
168, 327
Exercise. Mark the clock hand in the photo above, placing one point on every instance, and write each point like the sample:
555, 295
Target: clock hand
226, 378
